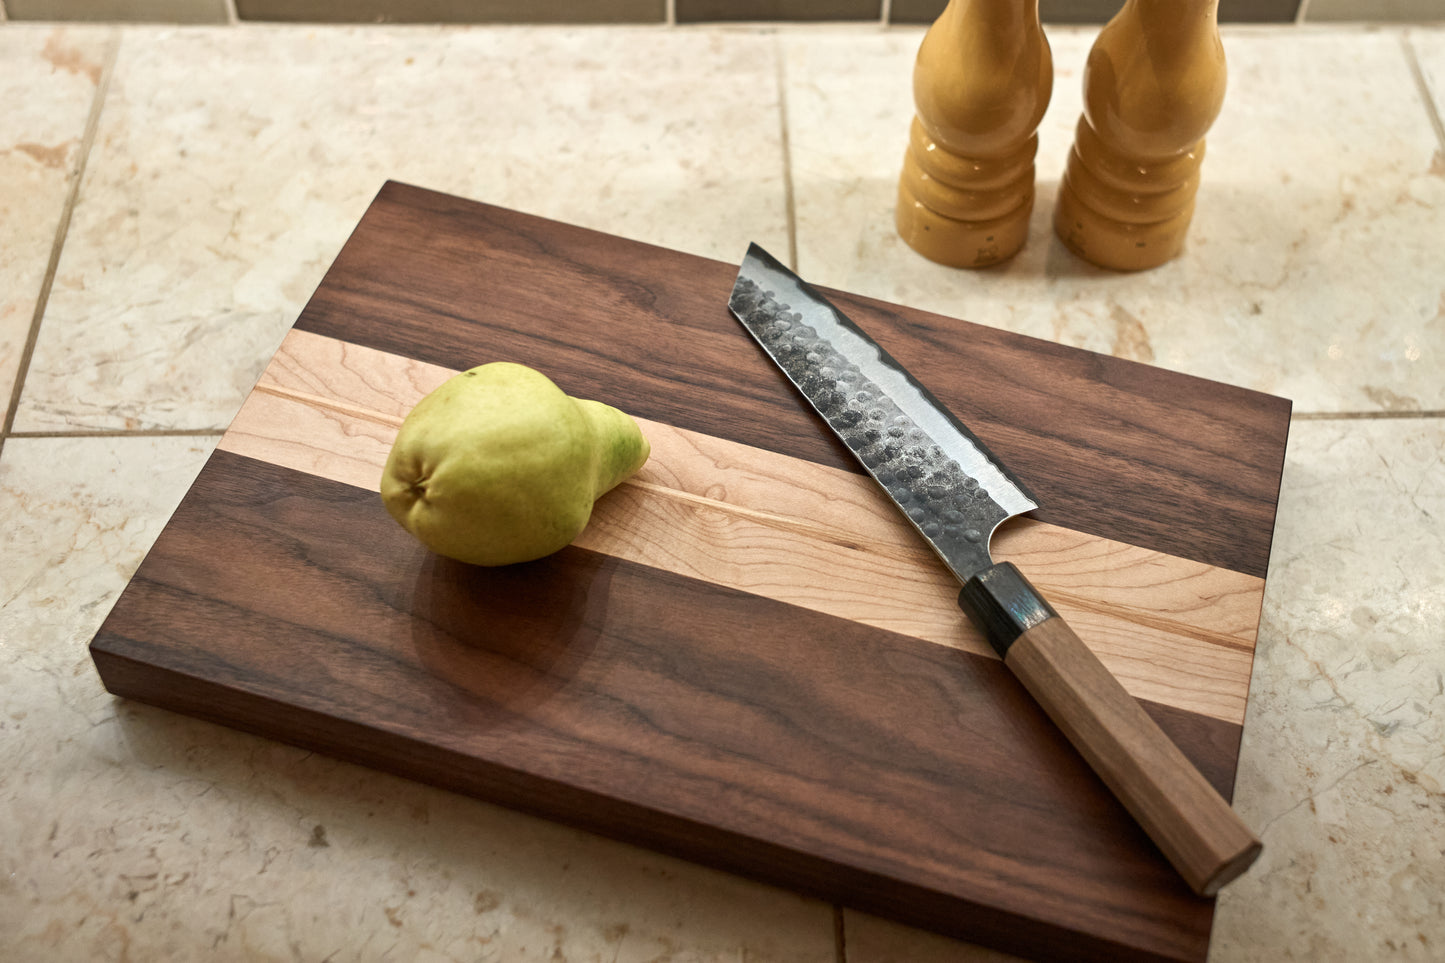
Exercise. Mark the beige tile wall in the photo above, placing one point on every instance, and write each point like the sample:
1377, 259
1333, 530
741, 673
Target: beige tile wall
658, 11
454, 11
1098, 11
701, 11
1413, 11
147, 11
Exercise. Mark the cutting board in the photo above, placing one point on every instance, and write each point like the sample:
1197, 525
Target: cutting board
748, 659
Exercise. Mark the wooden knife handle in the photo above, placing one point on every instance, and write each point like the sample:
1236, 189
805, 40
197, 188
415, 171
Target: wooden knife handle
1184, 815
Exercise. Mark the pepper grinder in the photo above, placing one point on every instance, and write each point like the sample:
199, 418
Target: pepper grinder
1153, 85
981, 84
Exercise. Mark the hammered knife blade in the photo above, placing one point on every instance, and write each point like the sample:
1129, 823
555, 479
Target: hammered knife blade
955, 492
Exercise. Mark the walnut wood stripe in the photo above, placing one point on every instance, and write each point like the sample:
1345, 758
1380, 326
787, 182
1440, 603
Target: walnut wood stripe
1134, 453
1175, 631
882, 771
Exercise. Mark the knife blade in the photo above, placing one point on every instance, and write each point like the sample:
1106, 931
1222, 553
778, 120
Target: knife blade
956, 493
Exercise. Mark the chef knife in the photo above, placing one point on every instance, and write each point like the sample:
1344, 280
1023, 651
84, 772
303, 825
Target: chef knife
956, 492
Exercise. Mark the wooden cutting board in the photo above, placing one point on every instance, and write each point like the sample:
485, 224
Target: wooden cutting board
748, 659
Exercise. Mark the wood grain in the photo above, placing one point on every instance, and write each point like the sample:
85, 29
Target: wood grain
1196, 829
800, 748
1175, 631
1181, 465
746, 660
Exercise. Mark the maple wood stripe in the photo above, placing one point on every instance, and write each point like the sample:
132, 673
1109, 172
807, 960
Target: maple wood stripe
1175, 631
362, 385
809, 750
1131, 452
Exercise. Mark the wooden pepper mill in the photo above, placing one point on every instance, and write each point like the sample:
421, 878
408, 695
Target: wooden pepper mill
1153, 86
981, 84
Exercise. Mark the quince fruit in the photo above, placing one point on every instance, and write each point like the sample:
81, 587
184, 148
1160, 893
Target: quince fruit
499, 465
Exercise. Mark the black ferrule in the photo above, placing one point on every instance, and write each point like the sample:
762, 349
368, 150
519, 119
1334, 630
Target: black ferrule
1002, 603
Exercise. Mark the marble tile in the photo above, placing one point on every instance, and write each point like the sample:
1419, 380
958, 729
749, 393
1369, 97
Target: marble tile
47, 87
1312, 266
133, 833
1428, 46
871, 939
231, 164
1343, 762
1342, 770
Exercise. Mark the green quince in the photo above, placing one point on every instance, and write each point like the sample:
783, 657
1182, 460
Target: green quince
499, 465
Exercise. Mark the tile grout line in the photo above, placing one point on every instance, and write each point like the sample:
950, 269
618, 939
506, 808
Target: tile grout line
788, 198
840, 941
92, 125
62, 229
1431, 109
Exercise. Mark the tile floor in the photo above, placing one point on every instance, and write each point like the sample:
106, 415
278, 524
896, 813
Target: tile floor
169, 197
